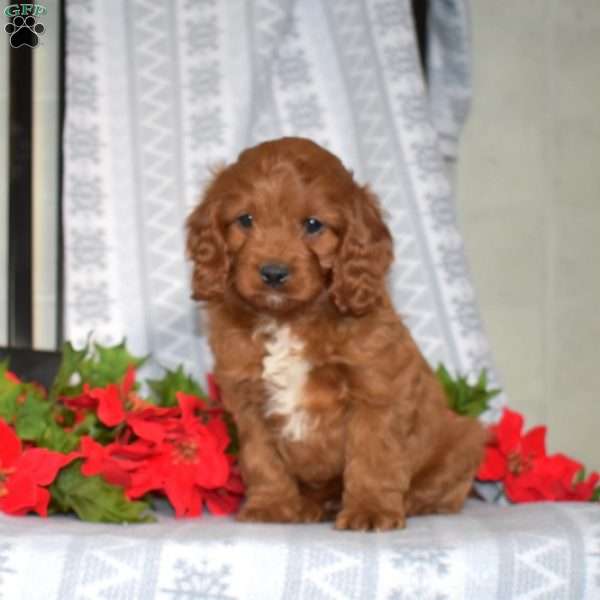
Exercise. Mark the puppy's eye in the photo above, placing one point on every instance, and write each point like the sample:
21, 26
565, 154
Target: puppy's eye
245, 221
313, 226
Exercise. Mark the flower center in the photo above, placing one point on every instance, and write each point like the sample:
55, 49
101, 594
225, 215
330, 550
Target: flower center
4, 473
517, 463
186, 451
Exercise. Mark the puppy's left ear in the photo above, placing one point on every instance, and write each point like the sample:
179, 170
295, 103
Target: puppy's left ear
206, 248
364, 257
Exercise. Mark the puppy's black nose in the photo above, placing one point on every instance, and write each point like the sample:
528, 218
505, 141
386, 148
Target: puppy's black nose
274, 274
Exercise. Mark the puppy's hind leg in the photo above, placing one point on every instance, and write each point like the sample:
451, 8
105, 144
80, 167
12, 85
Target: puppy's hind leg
443, 485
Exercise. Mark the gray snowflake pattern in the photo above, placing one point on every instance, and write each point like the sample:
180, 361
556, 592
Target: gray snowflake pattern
421, 555
453, 263
193, 5
414, 110
205, 79
428, 159
441, 211
207, 128
292, 69
203, 34
399, 61
84, 142
80, 39
203, 582
83, 92
420, 563
85, 194
87, 5
91, 303
88, 249
389, 14
467, 315
480, 359
305, 113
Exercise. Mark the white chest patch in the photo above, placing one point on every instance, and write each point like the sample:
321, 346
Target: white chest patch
285, 371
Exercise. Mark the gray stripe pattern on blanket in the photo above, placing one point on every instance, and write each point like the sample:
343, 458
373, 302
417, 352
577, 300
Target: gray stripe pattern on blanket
488, 551
159, 92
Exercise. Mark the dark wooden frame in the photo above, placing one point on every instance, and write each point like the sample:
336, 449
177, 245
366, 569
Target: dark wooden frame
29, 363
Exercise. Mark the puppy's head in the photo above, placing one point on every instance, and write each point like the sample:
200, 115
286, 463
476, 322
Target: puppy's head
286, 226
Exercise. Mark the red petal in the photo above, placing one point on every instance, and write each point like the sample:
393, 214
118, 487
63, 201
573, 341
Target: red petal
189, 404
82, 401
110, 406
21, 495
43, 499
235, 484
213, 389
147, 430
142, 482
222, 503
517, 492
562, 468
585, 489
219, 430
534, 443
185, 498
508, 431
43, 465
212, 470
493, 467
10, 445
128, 380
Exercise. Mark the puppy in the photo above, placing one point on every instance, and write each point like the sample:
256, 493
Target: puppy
335, 406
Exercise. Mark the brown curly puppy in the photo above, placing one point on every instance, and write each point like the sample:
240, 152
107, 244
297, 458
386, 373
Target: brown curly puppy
333, 400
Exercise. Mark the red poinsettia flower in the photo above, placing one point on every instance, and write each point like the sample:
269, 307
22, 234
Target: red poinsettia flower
190, 460
511, 453
24, 475
556, 478
226, 500
110, 402
529, 475
114, 462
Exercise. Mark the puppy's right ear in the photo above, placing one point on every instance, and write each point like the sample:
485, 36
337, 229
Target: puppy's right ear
206, 249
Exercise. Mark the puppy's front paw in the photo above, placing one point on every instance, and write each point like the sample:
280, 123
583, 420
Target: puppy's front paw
367, 520
301, 510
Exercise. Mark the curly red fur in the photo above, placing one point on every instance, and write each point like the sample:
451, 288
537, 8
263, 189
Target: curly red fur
338, 412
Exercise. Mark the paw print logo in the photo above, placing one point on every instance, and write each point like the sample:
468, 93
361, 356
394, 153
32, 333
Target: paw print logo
24, 31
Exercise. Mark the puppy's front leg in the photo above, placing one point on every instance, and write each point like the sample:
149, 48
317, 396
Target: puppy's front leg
376, 476
272, 494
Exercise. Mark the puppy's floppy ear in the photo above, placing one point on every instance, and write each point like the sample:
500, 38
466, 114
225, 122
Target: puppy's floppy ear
364, 257
206, 248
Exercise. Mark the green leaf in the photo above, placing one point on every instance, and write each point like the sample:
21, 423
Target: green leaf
34, 422
93, 499
580, 477
108, 365
70, 364
164, 390
596, 495
97, 366
92, 426
32, 418
9, 392
465, 398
